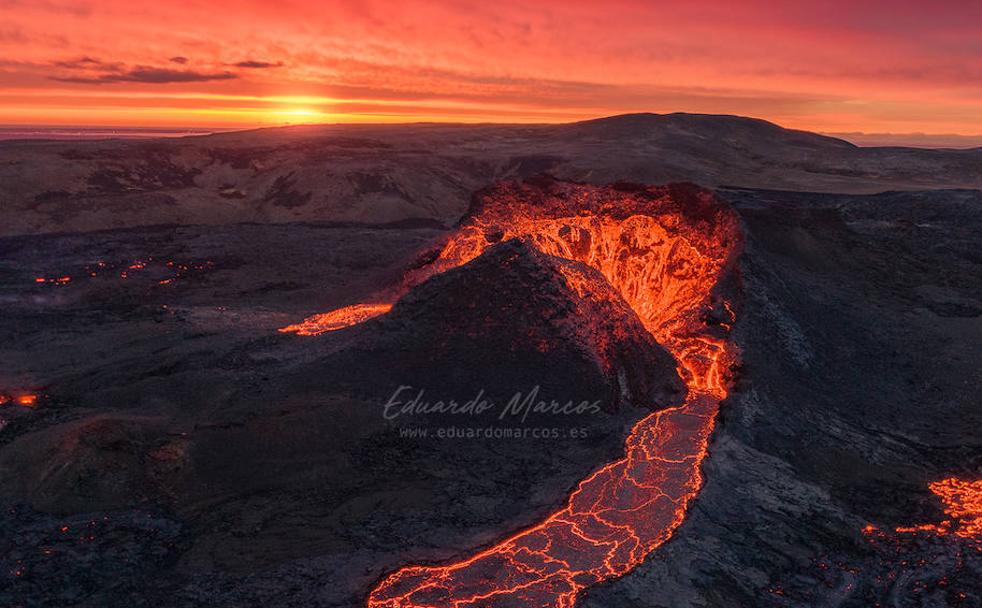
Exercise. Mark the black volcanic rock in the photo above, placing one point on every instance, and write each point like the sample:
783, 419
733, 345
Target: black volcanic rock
510, 320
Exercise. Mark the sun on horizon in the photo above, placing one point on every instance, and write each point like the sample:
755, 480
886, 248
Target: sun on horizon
838, 67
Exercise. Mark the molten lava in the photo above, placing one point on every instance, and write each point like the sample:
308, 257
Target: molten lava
665, 250
962, 501
26, 400
21, 399
337, 319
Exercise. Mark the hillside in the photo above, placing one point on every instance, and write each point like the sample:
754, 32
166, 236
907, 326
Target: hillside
385, 173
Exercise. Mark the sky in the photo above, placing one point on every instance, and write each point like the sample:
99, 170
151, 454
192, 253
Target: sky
875, 67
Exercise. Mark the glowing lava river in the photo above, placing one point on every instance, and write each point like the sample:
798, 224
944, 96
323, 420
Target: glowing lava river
669, 252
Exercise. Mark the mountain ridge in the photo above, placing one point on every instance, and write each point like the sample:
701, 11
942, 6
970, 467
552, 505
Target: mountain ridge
389, 173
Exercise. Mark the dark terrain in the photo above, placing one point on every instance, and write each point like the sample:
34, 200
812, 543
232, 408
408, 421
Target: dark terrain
182, 452
384, 173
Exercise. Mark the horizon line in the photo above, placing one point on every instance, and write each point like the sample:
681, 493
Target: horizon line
915, 139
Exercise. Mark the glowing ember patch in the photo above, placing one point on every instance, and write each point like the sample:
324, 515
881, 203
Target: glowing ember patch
962, 502
128, 270
941, 528
26, 400
4, 400
337, 319
63, 280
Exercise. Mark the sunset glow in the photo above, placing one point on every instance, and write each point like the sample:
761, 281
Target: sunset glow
836, 66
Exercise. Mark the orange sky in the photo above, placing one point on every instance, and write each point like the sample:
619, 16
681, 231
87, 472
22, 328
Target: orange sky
874, 66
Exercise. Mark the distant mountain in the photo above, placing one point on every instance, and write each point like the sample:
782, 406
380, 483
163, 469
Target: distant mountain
677, 127
386, 173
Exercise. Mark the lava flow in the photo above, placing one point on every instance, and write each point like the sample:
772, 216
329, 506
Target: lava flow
665, 250
962, 501
337, 319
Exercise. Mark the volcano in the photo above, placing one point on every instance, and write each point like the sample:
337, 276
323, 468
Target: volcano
508, 321
786, 387
664, 251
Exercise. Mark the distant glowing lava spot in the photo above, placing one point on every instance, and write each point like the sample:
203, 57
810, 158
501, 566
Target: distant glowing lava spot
337, 319
29, 400
21, 399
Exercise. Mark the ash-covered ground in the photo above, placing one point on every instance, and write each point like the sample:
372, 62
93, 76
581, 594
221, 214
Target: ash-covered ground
182, 452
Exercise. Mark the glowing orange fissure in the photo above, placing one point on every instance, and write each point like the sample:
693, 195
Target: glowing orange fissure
664, 250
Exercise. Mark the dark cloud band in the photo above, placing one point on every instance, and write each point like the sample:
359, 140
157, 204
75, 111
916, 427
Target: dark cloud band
148, 75
253, 64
